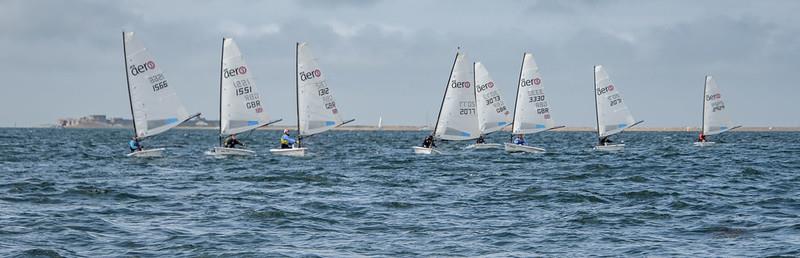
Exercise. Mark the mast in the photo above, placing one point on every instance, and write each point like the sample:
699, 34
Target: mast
297, 86
516, 97
128, 81
475, 91
221, 60
447, 85
703, 123
596, 113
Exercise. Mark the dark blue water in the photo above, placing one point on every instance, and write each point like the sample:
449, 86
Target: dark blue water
74, 193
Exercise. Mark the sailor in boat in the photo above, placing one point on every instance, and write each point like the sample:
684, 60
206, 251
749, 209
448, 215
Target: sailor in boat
520, 139
604, 140
286, 140
231, 142
134, 144
428, 142
480, 140
701, 138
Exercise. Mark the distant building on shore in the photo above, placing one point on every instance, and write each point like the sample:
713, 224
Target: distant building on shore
102, 121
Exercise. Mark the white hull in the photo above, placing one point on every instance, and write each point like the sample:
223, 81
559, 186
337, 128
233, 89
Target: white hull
222, 151
421, 150
510, 147
703, 144
610, 147
484, 146
293, 152
151, 153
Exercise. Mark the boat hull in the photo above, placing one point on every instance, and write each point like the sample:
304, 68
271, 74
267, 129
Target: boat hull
703, 144
293, 152
222, 151
484, 146
510, 147
423, 150
610, 147
150, 153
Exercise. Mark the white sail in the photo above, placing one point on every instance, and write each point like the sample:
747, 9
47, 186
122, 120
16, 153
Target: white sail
715, 118
613, 115
317, 111
242, 108
532, 111
493, 114
156, 107
457, 117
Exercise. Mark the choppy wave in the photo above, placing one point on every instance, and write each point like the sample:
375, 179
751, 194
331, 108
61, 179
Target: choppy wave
67, 193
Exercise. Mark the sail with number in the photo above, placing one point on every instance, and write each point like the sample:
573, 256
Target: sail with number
241, 107
317, 111
155, 106
457, 117
715, 119
532, 110
493, 114
613, 115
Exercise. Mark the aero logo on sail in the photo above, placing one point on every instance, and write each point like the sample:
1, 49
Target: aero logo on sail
713, 97
601, 91
524, 83
486, 86
454, 84
138, 69
234, 72
310, 75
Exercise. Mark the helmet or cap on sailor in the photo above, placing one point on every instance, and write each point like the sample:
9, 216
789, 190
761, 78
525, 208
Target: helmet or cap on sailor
286, 131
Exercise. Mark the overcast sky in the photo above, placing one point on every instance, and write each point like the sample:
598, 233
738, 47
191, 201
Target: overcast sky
392, 58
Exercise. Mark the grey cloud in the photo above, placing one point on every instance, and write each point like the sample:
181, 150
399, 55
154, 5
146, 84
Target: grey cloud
324, 4
395, 52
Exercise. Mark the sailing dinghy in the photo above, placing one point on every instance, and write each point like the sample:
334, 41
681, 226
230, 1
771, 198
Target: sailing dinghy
457, 120
715, 119
155, 106
531, 109
612, 114
493, 115
240, 103
316, 110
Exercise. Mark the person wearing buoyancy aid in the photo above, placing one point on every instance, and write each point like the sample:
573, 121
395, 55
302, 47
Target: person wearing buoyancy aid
134, 144
286, 141
604, 140
231, 142
701, 138
429, 142
520, 139
481, 140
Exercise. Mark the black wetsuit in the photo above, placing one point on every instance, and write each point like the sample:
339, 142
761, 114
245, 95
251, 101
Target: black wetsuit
428, 143
231, 143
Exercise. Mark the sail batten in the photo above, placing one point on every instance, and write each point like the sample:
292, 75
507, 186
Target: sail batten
532, 112
155, 105
458, 117
241, 107
613, 115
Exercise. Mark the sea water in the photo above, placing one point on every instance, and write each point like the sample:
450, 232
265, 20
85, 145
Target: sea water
72, 192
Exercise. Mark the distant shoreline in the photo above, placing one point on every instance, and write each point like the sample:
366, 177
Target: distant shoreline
421, 128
